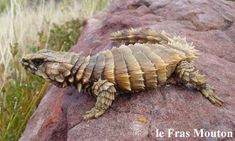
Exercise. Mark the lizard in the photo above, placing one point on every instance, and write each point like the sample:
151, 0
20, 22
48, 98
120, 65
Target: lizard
146, 59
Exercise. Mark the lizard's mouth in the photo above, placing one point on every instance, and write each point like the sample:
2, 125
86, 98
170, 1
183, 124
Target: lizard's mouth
28, 66
33, 68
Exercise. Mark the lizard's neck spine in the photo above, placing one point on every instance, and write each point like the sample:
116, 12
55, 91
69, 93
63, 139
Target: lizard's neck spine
88, 69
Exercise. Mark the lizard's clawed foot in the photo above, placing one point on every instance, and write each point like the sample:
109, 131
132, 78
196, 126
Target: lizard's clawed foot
208, 92
93, 113
105, 92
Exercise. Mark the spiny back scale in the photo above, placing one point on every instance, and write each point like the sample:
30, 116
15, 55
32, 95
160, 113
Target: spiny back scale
99, 67
120, 70
170, 56
109, 66
150, 73
137, 67
159, 63
89, 69
133, 68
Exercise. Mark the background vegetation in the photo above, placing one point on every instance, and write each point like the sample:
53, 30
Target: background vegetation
28, 26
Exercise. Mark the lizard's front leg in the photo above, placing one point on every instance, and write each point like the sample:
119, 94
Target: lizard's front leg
105, 93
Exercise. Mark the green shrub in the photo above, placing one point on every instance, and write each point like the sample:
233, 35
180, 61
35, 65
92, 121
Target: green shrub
3, 5
61, 37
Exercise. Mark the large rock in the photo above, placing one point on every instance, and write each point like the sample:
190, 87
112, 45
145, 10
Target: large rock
207, 23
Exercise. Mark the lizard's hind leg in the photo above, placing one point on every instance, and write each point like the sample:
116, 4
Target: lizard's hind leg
133, 36
105, 93
187, 73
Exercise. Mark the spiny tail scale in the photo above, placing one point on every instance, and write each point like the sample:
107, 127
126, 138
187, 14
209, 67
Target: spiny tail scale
133, 36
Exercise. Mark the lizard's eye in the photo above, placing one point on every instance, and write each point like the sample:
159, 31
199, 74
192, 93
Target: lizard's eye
38, 62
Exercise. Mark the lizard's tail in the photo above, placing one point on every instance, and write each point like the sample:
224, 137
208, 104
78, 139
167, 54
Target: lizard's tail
133, 36
151, 36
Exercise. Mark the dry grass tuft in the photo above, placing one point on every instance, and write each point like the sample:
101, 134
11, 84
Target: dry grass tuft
27, 26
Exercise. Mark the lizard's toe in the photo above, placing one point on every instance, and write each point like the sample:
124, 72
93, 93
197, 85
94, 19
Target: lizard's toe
93, 113
209, 94
90, 114
99, 113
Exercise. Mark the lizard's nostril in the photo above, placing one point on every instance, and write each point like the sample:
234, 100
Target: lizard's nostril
23, 60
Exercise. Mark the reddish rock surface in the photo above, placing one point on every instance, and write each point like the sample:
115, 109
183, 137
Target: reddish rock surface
207, 23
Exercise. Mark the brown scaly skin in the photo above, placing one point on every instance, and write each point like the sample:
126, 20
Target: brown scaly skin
147, 61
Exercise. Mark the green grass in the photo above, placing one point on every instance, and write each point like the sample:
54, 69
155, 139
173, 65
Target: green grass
3, 5
62, 37
21, 96
47, 27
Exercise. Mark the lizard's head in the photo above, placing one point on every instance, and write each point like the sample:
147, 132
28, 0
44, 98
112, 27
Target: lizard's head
51, 65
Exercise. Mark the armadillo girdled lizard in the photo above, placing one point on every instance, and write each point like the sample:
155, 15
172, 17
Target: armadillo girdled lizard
145, 60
